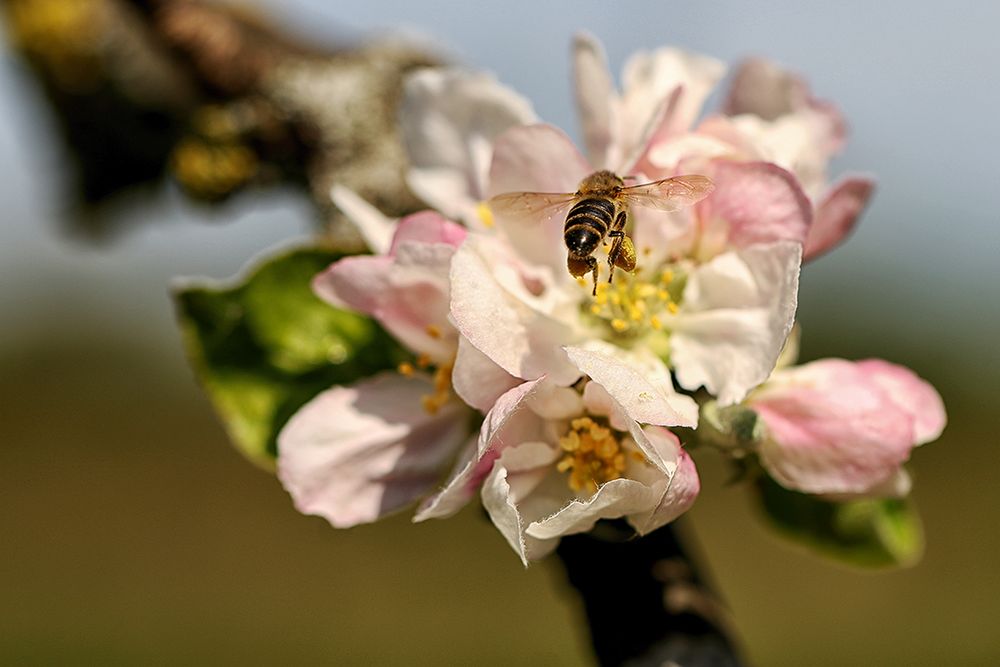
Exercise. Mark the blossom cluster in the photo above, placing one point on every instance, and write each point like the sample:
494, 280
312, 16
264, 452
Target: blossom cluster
560, 406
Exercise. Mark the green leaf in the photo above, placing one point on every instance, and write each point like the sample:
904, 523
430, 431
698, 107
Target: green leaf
265, 345
882, 532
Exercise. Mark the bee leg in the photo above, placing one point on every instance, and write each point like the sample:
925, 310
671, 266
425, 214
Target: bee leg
581, 266
620, 240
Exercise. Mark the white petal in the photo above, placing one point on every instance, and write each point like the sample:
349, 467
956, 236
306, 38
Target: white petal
596, 98
736, 313
613, 500
638, 380
500, 499
354, 454
375, 228
650, 77
449, 118
523, 341
477, 379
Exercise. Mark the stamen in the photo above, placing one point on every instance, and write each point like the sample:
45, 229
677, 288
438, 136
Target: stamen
593, 454
433, 330
441, 381
632, 305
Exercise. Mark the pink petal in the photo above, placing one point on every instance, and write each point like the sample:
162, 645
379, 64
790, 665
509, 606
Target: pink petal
354, 454
595, 93
407, 292
764, 89
912, 394
680, 493
837, 215
760, 201
427, 227
536, 158
831, 429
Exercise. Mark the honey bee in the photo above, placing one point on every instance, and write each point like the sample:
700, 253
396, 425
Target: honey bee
600, 210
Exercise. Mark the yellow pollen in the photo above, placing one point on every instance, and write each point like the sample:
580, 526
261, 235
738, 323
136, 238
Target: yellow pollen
440, 379
485, 214
593, 455
433, 330
442, 390
632, 306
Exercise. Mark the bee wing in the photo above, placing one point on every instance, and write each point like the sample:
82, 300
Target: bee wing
670, 194
530, 206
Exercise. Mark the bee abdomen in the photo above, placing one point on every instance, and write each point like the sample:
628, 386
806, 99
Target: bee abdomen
592, 212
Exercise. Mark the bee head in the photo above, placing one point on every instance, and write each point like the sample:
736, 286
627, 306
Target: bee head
582, 241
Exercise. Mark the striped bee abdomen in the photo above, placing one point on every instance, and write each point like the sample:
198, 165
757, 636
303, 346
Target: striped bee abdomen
587, 223
592, 212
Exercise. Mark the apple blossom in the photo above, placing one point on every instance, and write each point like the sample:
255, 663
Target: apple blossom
839, 427
551, 461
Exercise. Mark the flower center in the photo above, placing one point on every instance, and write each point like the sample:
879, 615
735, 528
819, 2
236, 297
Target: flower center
633, 305
593, 455
441, 378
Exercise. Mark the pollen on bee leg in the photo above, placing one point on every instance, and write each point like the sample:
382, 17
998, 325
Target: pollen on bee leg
485, 214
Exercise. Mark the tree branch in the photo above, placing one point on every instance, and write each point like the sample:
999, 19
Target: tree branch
645, 600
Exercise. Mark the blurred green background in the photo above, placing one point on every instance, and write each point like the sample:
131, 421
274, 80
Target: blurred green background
133, 534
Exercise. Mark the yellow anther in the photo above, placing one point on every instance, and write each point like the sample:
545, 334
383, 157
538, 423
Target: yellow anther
581, 282
593, 454
433, 330
673, 308
405, 369
632, 306
423, 361
485, 214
